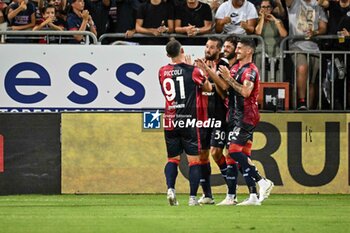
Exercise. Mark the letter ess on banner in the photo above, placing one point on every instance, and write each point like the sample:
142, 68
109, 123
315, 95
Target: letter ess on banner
59, 77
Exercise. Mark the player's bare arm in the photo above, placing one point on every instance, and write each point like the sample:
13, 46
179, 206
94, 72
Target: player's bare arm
207, 87
244, 89
219, 82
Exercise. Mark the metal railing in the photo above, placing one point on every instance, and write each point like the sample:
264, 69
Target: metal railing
27, 34
320, 54
175, 35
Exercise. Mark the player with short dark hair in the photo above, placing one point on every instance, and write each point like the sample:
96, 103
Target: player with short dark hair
182, 85
215, 137
242, 83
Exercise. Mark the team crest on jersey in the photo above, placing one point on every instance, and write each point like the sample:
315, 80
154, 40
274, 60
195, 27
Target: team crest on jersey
151, 120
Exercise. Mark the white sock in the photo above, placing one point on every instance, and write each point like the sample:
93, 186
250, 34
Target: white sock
262, 183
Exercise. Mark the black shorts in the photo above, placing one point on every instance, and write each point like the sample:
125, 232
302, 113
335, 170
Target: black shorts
239, 135
179, 140
218, 137
215, 137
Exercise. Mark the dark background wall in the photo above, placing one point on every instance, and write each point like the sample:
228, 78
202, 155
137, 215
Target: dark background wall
31, 154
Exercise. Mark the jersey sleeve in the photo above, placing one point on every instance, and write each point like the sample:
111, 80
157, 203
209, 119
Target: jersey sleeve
198, 76
250, 75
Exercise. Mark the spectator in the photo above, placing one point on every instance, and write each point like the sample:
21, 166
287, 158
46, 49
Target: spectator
3, 23
80, 20
306, 18
339, 22
155, 17
214, 5
60, 4
48, 22
2, 18
99, 12
21, 15
236, 17
61, 12
123, 17
337, 11
278, 9
193, 18
38, 6
3, 6
272, 30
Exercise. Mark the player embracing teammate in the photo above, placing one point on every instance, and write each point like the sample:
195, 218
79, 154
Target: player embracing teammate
184, 87
241, 82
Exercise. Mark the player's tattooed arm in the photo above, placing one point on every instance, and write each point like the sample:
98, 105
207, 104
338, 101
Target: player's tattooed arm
244, 89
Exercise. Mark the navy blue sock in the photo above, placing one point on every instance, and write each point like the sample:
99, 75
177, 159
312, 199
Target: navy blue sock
231, 179
205, 179
194, 176
223, 166
248, 171
171, 172
254, 171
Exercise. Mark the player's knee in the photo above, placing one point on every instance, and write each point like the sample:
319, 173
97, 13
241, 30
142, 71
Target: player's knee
204, 156
247, 149
230, 161
237, 156
175, 159
216, 153
193, 160
235, 148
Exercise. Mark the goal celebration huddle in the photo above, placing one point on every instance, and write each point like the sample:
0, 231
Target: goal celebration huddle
222, 87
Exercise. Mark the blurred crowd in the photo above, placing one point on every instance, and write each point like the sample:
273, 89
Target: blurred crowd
271, 19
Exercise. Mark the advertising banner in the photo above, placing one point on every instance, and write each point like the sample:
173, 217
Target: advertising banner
120, 153
70, 77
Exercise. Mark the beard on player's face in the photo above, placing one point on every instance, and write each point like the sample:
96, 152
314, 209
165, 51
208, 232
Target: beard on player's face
229, 55
210, 57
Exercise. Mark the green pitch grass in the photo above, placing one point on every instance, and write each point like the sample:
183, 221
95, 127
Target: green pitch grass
151, 213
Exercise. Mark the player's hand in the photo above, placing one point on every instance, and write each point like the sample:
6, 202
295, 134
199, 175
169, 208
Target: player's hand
211, 65
345, 32
188, 59
224, 72
202, 65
